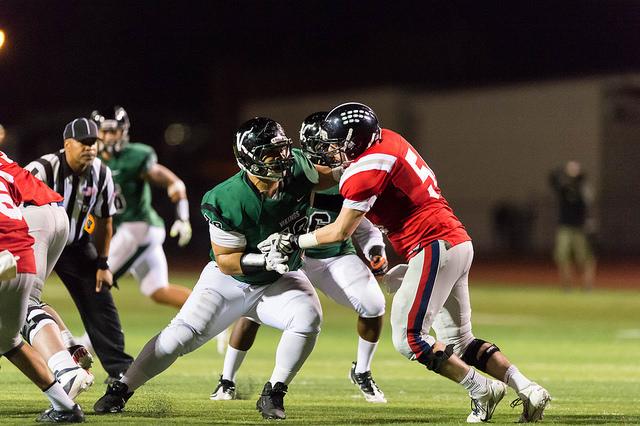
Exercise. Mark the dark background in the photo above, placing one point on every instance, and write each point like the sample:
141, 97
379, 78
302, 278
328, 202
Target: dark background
198, 62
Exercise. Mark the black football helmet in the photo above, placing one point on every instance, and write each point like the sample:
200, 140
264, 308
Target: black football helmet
352, 127
113, 118
263, 149
314, 149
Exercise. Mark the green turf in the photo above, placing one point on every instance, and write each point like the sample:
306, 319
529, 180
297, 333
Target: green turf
584, 348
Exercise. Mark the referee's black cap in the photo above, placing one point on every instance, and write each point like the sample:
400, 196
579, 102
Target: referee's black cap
82, 130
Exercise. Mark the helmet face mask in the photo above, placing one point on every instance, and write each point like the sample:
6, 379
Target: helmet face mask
352, 127
314, 148
114, 125
263, 150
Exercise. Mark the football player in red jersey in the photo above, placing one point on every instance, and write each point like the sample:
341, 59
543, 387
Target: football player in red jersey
17, 277
387, 180
44, 329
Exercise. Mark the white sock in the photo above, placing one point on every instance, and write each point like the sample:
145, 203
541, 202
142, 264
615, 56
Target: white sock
475, 383
292, 352
515, 379
58, 397
366, 350
67, 338
232, 362
61, 361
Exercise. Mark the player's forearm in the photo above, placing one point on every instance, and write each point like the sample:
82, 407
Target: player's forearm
102, 235
161, 176
229, 264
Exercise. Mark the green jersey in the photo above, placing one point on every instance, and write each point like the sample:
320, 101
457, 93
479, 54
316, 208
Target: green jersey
236, 207
133, 194
325, 209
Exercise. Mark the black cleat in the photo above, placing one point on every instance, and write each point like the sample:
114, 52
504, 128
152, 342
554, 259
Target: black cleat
110, 379
114, 400
271, 401
75, 415
367, 385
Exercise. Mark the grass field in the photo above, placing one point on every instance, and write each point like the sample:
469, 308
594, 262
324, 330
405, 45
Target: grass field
584, 348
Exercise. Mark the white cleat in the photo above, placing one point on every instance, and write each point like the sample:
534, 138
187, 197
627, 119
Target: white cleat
534, 399
482, 408
225, 391
74, 380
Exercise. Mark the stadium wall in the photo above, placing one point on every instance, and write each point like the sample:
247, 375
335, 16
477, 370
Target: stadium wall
488, 146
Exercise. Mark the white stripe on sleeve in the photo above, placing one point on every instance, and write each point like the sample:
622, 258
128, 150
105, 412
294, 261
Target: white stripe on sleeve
382, 162
228, 239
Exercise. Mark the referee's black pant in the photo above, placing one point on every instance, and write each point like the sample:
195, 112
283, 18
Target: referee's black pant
76, 268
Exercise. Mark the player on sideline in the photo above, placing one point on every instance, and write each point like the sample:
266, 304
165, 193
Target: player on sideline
270, 194
17, 277
338, 272
389, 181
137, 244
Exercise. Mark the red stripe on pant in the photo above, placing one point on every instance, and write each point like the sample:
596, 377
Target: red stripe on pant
419, 306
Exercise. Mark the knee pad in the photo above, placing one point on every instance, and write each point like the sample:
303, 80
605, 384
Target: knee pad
177, 339
37, 318
470, 355
434, 360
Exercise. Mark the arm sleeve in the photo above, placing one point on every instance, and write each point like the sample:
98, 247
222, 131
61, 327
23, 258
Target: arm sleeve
367, 235
150, 160
105, 204
364, 180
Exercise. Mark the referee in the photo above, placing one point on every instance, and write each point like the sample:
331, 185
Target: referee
87, 187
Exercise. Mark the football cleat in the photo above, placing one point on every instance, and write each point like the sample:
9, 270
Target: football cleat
482, 408
271, 401
74, 380
111, 379
534, 399
75, 415
367, 385
81, 356
225, 391
114, 400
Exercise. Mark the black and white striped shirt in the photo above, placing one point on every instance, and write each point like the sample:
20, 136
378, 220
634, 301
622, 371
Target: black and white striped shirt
92, 191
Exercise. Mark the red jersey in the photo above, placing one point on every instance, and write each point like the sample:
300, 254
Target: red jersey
14, 231
32, 189
394, 185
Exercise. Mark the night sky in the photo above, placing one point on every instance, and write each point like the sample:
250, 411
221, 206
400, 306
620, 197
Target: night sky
183, 54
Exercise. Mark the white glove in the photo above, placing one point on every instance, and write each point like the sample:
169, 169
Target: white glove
284, 243
270, 241
276, 261
8, 266
183, 229
392, 279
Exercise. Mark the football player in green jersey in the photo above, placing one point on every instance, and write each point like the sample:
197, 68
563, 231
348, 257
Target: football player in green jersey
337, 271
137, 244
271, 193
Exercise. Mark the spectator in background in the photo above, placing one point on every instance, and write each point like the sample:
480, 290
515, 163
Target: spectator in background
572, 246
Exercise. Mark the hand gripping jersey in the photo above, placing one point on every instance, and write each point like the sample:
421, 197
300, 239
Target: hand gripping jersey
248, 217
394, 185
133, 194
324, 210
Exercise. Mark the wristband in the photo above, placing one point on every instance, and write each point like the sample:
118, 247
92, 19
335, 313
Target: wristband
252, 263
182, 209
101, 262
308, 240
